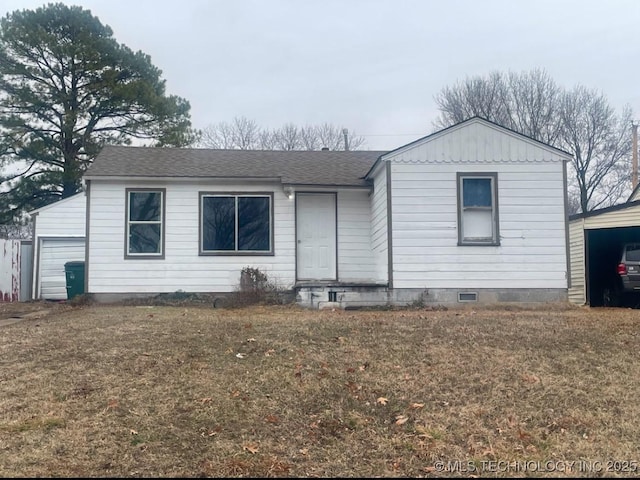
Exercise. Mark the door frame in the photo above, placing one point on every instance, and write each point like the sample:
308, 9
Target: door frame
335, 197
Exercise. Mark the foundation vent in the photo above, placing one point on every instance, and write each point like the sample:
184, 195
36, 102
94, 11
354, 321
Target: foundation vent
467, 296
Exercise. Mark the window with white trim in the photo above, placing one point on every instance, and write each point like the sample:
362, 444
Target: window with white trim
236, 224
145, 219
478, 209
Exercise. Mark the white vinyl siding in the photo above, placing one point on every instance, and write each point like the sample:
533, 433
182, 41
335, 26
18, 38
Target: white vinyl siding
532, 251
65, 218
577, 292
355, 258
182, 267
64, 221
379, 238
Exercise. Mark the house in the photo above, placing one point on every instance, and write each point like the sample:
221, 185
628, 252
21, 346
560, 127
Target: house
596, 239
472, 213
59, 231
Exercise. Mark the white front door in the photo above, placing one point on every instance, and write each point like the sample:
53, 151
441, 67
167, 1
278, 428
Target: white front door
316, 236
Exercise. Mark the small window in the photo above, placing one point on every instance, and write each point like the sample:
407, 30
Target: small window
235, 224
145, 219
478, 209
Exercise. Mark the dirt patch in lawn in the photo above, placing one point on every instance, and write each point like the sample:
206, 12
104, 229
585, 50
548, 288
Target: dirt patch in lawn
184, 391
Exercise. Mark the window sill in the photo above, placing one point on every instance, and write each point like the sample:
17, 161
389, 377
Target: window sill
478, 244
236, 254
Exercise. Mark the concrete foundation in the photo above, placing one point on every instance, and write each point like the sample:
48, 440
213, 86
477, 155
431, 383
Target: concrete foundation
338, 296
342, 296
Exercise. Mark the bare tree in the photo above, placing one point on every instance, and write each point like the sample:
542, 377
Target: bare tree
287, 137
240, 134
245, 134
579, 121
600, 143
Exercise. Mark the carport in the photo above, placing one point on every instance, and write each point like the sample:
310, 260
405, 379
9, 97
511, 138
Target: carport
595, 245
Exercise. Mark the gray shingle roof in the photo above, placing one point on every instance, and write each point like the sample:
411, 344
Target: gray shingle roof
293, 167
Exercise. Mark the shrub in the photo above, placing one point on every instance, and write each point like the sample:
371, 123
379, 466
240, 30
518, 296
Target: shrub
256, 288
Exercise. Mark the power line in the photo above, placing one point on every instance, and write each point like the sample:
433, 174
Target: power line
388, 134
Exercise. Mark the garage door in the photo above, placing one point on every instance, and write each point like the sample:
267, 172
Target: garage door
54, 253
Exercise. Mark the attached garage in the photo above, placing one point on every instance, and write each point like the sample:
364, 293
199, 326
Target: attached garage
596, 239
54, 253
59, 237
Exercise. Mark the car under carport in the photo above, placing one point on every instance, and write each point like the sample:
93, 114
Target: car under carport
596, 239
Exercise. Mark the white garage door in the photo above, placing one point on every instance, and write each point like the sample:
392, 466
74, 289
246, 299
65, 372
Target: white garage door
54, 253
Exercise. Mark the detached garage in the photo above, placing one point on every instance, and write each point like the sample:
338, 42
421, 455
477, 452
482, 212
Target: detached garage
59, 237
596, 239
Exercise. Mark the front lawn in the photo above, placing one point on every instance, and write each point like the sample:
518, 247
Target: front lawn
189, 391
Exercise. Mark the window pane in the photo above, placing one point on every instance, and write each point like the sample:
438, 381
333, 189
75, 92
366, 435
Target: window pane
253, 223
476, 192
218, 223
477, 225
633, 253
145, 206
144, 238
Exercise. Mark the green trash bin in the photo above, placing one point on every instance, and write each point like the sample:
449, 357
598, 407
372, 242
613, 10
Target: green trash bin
74, 272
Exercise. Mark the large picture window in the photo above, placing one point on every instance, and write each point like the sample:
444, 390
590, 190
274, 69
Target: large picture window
478, 209
145, 219
236, 224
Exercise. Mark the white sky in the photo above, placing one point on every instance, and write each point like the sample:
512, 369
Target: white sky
373, 66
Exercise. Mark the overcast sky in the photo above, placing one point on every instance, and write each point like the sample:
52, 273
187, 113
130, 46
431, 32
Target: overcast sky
373, 66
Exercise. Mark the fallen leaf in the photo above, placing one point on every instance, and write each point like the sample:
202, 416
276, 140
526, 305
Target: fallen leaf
382, 400
269, 352
250, 447
400, 419
417, 405
272, 419
523, 435
304, 451
206, 400
527, 378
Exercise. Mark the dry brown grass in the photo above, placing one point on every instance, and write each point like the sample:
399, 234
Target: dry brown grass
110, 391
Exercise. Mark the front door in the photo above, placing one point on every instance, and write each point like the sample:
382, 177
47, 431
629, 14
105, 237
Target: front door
316, 236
